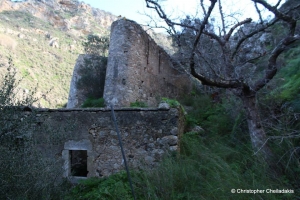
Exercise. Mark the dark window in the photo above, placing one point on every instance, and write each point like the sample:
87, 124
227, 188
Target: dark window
78, 162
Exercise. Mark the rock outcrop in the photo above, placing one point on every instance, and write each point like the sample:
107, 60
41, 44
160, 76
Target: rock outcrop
63, 14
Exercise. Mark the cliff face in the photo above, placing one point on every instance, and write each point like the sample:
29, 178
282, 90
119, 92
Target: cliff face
68, 15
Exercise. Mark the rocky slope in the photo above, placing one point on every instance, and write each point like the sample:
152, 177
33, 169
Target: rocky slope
44, 39
68, 15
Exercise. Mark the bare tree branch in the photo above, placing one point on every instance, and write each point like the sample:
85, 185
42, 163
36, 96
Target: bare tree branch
259, 13
203, 8
242, 40
292, 22
215, 37
154, 5
277, 4
220, 65
272, 68
197, 39
228, 35
222, 17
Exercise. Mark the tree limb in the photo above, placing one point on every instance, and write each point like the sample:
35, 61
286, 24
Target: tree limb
272, 68
222, 17
258, 12
246, 21
292, 22
203, 79
203, 8
161, 13
240, 42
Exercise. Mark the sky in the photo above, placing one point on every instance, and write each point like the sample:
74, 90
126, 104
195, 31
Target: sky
126, 8
133, 9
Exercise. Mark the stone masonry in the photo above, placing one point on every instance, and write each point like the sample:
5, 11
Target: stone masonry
147, 135
140, 70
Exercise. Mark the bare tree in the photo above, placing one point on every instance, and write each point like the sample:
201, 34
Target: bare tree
233, 57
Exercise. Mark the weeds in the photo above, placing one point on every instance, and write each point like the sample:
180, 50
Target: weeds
138, 104
91, 102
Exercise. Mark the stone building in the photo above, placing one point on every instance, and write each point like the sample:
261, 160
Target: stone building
137, 70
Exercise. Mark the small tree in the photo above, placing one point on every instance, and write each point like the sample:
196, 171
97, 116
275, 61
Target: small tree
96, 45
92, 73
231, 58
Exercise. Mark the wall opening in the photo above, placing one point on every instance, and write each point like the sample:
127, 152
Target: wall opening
78, 162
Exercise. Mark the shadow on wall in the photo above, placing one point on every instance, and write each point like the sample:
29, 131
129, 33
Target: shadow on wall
88, 79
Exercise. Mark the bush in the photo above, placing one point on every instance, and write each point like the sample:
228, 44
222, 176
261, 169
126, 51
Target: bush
25, 172
91, 102
172, 102
96, 45
110, 188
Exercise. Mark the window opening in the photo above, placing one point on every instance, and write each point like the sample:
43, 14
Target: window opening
78, 160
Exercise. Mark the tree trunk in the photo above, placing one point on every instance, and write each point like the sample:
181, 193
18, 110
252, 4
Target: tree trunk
256, 130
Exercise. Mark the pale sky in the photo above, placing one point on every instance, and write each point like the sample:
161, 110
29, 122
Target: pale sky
127, 8
130, 8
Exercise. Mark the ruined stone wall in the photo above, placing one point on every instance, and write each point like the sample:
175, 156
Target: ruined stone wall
87, 80
147, 134
138, 69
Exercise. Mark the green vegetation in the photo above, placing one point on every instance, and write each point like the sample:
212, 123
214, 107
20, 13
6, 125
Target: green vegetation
138, 104
92, 76
172, 102
93, 71
187, 177
207, 168
113, 187
91, 102
25, 172
96, 45
38, 62
288, 91
209, 164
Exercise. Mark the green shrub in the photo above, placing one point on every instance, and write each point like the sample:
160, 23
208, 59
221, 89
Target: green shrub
172, 102
91, 102
96, 45
138, 104
113, 187
214, 117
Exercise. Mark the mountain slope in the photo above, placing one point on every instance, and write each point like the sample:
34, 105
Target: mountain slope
44, 40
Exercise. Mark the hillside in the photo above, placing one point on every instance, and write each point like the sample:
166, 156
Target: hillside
44, 39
